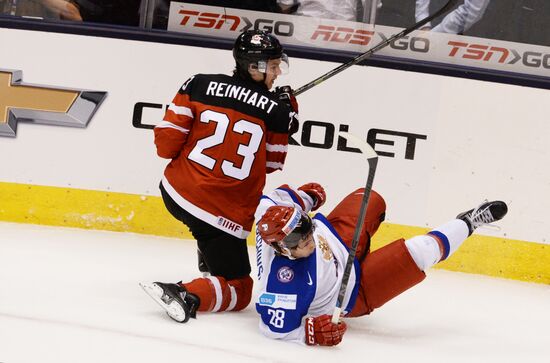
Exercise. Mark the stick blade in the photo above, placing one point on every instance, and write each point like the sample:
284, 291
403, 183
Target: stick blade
362, 145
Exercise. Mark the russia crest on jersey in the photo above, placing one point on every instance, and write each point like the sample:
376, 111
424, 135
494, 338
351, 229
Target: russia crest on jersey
285, 274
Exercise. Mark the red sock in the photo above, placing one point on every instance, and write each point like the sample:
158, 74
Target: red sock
218, 294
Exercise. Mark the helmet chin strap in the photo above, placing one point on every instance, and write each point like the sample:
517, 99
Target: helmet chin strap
285, 251
263, 80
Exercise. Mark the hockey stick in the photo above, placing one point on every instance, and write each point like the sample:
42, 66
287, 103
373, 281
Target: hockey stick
372, 159
374, 49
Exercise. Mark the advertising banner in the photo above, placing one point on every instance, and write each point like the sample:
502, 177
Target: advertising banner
424, 46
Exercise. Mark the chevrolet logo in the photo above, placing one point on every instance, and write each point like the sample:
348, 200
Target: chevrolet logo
43, 104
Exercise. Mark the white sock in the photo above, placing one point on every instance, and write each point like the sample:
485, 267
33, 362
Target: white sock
425, 249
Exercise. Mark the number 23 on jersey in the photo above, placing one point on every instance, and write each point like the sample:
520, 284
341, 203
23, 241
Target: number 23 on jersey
223, 131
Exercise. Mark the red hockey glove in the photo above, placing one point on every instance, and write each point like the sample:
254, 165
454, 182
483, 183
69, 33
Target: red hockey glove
316, 192
321, 330
286, 95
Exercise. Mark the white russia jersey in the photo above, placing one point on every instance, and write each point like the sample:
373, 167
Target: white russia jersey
290, 290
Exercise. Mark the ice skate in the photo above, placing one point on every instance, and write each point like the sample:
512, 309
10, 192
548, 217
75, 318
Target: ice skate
485, 214
180, 305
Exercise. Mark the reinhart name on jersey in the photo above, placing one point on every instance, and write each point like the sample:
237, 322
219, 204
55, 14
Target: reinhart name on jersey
243, 94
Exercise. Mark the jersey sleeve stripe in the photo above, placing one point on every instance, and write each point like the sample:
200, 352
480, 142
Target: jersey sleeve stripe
276, 148
264, 197
296, 198
169, 125
180, 110
274, 165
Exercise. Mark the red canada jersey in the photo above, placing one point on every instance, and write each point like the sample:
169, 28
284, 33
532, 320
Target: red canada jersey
223, 135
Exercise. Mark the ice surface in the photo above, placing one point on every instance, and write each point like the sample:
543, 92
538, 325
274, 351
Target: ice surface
71, 295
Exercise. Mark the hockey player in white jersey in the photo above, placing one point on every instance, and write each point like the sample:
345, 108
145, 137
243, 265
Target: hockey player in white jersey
301, 260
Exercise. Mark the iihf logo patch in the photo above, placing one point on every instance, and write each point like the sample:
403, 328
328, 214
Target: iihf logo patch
285, 274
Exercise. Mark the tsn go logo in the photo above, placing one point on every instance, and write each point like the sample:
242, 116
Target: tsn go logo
318, 134
216, 21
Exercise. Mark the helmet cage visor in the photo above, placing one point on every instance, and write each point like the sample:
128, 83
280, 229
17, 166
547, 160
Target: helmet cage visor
302, 230
273, 66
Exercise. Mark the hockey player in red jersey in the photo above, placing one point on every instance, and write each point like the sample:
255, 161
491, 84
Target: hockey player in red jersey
301, 260
223, 134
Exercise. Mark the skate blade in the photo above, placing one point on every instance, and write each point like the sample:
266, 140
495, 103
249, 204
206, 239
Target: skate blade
173, 309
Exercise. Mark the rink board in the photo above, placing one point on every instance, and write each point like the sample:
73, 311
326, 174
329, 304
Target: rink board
445, 144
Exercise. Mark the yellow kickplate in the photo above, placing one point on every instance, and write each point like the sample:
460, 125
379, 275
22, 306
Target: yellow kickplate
21, 203
88, 209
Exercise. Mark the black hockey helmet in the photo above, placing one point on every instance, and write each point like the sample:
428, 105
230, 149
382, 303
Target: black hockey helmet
256, 48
